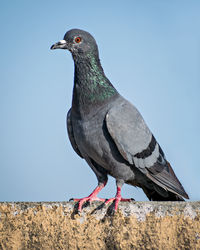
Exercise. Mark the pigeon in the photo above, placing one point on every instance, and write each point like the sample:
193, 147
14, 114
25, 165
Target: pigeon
110, 134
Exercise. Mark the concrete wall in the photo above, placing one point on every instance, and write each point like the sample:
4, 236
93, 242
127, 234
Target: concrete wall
137, 225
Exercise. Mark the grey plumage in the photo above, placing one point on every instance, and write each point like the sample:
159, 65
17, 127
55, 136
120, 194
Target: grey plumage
109, 132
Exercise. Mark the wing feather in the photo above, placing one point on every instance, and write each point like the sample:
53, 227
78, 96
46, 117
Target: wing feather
138, 146
71, 134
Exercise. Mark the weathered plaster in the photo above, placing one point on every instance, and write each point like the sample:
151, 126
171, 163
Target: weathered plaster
137, 225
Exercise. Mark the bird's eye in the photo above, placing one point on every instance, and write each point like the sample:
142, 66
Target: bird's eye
77, 39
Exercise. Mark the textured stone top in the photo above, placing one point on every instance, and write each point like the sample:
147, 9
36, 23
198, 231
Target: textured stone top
137, 225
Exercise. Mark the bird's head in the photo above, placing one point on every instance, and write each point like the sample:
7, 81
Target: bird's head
79, 42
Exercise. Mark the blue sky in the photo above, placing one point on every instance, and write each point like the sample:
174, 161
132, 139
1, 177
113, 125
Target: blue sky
150, 50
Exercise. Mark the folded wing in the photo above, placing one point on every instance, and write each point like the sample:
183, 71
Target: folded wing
138, 146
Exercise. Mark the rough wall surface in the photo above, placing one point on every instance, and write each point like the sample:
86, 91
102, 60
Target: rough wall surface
137, 225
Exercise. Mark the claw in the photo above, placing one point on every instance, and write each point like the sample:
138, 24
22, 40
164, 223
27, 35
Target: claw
91, 197
117, 199
87, 199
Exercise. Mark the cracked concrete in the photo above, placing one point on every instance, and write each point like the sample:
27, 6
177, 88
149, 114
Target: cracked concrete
137, 225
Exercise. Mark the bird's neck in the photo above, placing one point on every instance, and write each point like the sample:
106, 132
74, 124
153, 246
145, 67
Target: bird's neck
92, 89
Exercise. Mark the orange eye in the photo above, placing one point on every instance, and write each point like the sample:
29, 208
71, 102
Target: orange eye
78, 39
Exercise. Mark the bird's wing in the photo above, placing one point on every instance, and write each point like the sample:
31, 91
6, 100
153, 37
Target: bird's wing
138, 146
71, 134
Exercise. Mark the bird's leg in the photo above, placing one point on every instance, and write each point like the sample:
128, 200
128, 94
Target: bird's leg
118, 196
92, 196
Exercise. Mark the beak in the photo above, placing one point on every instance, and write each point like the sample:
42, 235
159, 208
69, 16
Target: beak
62, 44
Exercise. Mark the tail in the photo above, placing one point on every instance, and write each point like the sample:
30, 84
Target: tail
161, 195
164, 185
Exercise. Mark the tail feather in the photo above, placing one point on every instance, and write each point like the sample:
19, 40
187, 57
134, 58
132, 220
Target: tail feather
154, 195
166, 179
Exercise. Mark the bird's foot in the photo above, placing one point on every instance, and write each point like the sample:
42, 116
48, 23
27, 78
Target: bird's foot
91, 197
117, 199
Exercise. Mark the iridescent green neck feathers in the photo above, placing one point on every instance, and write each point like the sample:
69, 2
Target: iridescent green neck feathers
91, 86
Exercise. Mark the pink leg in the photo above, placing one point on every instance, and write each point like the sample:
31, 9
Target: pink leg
91, 197
117, 199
